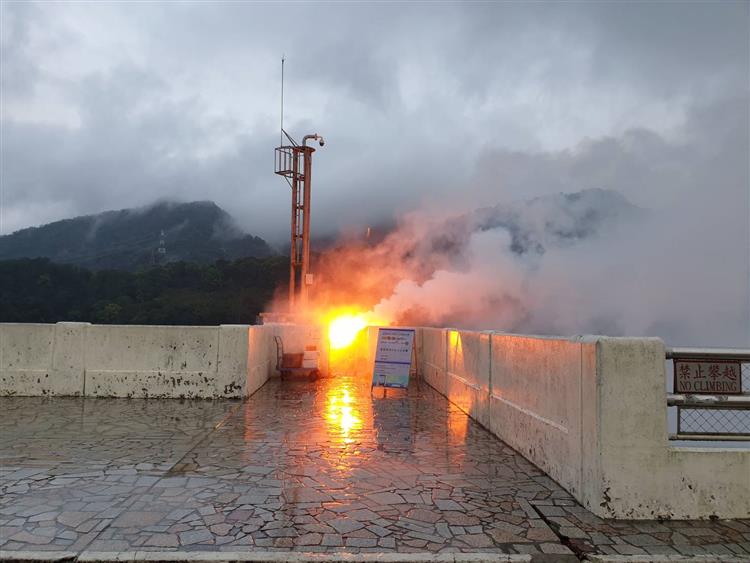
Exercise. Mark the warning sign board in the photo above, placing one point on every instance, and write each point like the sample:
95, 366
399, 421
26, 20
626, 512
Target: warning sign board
714, 377
393, 357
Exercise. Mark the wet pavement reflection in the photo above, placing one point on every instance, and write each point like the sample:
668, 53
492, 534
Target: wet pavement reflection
305, 465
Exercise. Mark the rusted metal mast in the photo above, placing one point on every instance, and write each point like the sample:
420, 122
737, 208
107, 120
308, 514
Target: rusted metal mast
294, 162
293, 254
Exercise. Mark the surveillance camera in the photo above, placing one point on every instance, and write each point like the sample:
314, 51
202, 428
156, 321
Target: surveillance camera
321, 141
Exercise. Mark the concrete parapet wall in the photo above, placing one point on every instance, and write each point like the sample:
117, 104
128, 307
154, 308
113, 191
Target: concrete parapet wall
42, 359
261, 358
640, 474
433, 359
591, 412
158, 361
468, 373
228, 361
536, 402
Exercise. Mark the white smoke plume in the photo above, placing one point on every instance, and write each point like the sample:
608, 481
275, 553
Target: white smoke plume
676, 265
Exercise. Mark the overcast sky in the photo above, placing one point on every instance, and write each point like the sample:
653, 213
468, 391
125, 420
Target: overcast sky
113, 105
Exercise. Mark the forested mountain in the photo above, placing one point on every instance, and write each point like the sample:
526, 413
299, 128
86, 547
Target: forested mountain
129, 239
179, 293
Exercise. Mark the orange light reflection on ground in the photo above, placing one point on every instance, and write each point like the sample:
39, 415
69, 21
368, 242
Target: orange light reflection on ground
458, 425
342, 412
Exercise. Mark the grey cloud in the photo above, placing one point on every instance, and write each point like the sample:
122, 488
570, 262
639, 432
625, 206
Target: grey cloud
671, 45
492, 80
20, 72
439, 107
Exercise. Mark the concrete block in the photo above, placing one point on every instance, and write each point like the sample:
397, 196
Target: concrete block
42, 359
27, 556
468, 373
26, 358
433, 360
155, 361
260, 357
157, 384
69, 358
133, 361
473, 401
642, 476
469, 357
233, 359
152, 348
589, 485
26, 346
536, 402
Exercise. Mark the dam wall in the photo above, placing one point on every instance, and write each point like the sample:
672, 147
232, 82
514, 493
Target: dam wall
592, 413
81, 359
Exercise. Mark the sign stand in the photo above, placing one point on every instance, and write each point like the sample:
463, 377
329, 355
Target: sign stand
416, 367
393, 358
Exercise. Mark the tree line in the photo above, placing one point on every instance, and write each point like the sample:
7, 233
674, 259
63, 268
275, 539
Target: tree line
36, 290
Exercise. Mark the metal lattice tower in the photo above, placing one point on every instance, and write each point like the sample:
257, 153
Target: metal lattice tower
294, 162
162, 244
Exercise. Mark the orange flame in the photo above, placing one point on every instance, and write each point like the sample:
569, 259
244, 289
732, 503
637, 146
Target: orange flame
344, 325
343, 329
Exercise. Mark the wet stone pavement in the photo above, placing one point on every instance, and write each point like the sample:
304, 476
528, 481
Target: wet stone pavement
312, 466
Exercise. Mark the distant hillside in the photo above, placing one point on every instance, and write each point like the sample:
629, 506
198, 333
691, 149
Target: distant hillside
129, 239
226, 292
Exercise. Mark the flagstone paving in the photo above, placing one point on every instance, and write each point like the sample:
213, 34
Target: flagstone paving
313, 466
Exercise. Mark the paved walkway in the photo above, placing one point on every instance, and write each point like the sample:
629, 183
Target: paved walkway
313, 466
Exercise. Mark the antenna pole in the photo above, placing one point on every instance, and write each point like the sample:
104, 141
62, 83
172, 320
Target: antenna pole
281, 132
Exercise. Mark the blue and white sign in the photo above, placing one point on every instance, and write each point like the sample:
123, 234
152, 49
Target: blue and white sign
393, 357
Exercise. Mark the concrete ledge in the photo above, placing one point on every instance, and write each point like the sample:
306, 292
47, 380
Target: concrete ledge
157, 384
665, 558
37, 382
470, 398
297, 557
340, 557
37, 556
269, 557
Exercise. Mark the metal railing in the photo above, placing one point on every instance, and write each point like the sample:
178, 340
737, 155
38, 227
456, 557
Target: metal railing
712, 416
739, 354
